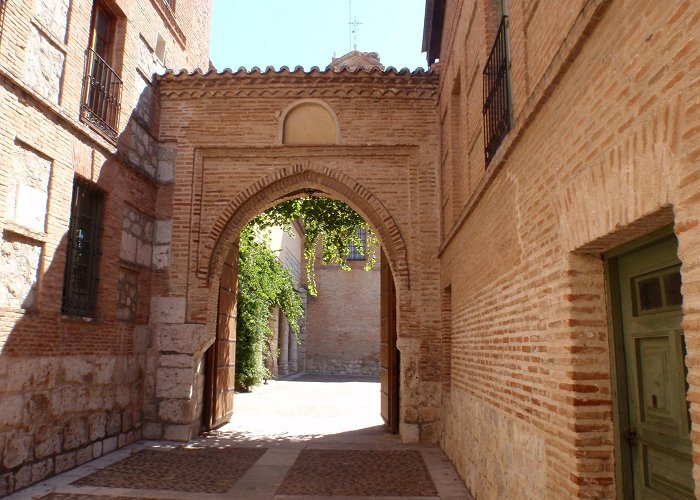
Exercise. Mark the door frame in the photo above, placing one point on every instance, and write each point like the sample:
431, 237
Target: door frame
624, 478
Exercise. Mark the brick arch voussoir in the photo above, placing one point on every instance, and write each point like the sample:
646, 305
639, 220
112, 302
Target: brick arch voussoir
265, 192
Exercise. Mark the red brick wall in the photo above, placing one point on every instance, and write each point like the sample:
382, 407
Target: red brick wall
342, 321
604, 149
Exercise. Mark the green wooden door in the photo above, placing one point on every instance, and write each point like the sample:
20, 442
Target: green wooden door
658, 433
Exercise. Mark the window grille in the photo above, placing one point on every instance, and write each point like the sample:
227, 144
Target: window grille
102, 91
102, 88
354, 252
80, 277
497, 103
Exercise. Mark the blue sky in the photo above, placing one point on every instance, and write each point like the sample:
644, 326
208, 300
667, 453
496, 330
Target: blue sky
279, 33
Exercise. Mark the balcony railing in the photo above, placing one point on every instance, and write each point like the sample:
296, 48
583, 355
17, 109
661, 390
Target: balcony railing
102, 92
496, 93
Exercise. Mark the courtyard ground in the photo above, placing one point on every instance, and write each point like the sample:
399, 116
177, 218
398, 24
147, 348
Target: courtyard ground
308, 438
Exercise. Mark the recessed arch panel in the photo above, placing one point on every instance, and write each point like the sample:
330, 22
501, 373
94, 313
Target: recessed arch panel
309, 122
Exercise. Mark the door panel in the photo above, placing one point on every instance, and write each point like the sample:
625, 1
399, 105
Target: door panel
668, 473
659, 425
388, 353
221, 356
654, 359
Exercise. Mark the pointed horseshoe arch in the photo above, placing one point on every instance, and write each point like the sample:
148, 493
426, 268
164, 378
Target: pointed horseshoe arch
223, 240
266, 192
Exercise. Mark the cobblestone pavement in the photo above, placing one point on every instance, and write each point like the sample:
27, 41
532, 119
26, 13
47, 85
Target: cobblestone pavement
310, 438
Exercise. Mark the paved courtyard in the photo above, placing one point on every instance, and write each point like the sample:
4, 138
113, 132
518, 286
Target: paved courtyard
309, 438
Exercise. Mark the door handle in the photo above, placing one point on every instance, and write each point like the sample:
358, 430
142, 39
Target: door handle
632, 437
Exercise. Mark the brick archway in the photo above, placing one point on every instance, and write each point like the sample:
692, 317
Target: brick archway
227, 165
302, 176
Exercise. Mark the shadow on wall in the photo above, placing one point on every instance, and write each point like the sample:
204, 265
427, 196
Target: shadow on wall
72, 379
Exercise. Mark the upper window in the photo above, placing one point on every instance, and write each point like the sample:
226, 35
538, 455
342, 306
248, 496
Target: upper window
657, 292
102, 33
497, 101
102, 88
80, 277
359, 253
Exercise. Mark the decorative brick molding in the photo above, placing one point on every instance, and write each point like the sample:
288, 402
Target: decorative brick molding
297, 178
286, 83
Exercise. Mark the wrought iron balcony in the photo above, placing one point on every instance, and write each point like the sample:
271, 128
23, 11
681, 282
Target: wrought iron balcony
102, 91
497, 121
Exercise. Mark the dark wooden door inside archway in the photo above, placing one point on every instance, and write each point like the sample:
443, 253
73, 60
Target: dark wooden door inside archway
388, 354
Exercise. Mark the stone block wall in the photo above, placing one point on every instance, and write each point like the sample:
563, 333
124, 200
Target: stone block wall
60, 412
19, 276
44, 65
136, 237
28, 192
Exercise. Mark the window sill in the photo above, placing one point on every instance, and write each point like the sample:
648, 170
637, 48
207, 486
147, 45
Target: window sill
79, 319
19, 230
112, 139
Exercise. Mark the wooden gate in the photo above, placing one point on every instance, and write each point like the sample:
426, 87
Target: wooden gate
389, 354
220, 358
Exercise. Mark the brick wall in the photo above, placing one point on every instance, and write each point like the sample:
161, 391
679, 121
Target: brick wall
72, 389
343, 321
604, 149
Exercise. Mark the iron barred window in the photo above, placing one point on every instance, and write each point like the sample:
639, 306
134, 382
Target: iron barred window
102, 87
354, 252
102, 91
80, 277
497, 104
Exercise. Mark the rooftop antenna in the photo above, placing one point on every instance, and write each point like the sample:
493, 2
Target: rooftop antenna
353, 23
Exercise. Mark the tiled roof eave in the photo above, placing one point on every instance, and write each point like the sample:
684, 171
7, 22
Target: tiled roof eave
284, 72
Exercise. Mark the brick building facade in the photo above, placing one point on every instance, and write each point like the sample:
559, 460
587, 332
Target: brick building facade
71, 367
599, 151
537, 199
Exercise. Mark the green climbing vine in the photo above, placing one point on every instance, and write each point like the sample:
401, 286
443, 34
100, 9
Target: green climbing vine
263, 283
332, 222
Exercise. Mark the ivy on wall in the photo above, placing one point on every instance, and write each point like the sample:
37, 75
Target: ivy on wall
263, 284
